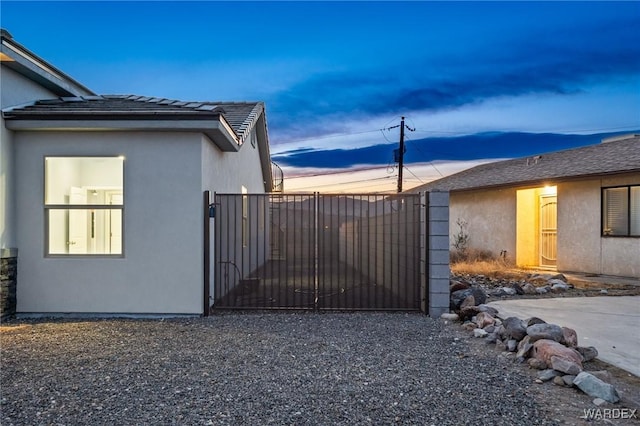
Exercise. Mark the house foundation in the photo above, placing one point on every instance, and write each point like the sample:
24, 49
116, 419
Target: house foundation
8, 282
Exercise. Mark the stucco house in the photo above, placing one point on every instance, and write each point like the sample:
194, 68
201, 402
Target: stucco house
576, 210
102, 196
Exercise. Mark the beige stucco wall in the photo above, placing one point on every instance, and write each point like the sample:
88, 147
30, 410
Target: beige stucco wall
491, 219
579, 226
581, 247
497, 219
161, 271
15, 89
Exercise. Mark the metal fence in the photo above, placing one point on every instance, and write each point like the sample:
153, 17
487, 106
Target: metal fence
319, 252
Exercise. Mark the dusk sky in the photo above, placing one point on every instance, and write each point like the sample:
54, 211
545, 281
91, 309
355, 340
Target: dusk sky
337, 75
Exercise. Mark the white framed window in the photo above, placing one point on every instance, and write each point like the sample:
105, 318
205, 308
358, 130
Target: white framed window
83, 206
621, 211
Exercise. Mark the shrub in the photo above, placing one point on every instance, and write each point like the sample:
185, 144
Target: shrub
461, 238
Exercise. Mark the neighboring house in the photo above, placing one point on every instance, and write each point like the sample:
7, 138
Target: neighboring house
102, 196
576, 210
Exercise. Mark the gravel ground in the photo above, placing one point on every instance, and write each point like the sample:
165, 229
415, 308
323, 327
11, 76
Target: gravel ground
256, 369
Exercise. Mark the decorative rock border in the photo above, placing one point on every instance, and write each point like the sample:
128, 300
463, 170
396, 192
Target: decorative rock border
550, 348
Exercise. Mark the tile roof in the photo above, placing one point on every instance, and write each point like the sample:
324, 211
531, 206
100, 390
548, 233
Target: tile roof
241, 116
617, 156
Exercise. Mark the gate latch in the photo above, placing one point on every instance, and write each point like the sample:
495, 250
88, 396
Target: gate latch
212, 210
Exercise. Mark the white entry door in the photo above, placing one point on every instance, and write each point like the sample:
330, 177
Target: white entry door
548, 230
77, 241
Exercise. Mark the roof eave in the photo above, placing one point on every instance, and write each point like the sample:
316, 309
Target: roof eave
538, 182
37, 69
263, 148
218, 129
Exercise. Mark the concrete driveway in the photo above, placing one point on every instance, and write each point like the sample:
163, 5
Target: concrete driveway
611, 324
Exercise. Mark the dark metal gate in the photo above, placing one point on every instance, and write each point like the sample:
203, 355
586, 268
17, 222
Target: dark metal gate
318, 252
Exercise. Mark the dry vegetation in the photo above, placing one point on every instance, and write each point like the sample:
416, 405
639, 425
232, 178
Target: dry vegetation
483, 262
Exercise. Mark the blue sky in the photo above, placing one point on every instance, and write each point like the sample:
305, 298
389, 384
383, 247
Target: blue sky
333, 74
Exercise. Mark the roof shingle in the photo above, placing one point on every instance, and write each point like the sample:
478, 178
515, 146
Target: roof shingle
601, 159
241, 116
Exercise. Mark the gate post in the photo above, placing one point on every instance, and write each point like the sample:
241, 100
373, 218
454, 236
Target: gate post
207, 250
316, 282
438, 252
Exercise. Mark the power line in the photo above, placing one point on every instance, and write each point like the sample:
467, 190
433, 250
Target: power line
414, 175
337, 172
425, 156
346, 183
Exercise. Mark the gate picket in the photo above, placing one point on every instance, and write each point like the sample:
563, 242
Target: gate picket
318, 252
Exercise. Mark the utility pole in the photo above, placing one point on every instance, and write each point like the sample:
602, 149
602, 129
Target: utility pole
401, 155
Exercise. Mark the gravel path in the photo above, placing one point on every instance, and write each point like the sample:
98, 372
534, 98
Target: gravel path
256, 369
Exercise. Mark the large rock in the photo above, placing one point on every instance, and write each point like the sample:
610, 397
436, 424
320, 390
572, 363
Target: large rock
559, 277
468, 301
488, 309
568, 379
514, 328
543, 290
566, 366
450, 316
478, 332
458, 296
545, 349
484, 319
503, 291
468, 312
538, 364
534, 320
548, 374
603, 375
492, 337
524, 347
529, 288
596, 388
545, 331
588, 353
458, 285
559, 287
539, 279
518, 288
569, 337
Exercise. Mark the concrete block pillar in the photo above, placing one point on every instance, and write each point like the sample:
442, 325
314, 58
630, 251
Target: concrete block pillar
8, 282
438, 252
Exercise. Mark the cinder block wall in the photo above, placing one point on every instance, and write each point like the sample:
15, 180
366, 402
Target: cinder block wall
8, 282
438, 253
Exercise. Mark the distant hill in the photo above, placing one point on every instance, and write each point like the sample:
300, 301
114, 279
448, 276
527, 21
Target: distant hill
471, 147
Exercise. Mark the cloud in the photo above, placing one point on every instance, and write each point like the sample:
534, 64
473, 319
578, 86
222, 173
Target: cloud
560, 62
461, 148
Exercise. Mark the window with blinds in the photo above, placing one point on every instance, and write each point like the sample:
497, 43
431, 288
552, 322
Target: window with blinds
621, 211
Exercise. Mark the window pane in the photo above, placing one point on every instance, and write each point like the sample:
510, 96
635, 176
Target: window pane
635, 210
615, 219
83, 180
85, 231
